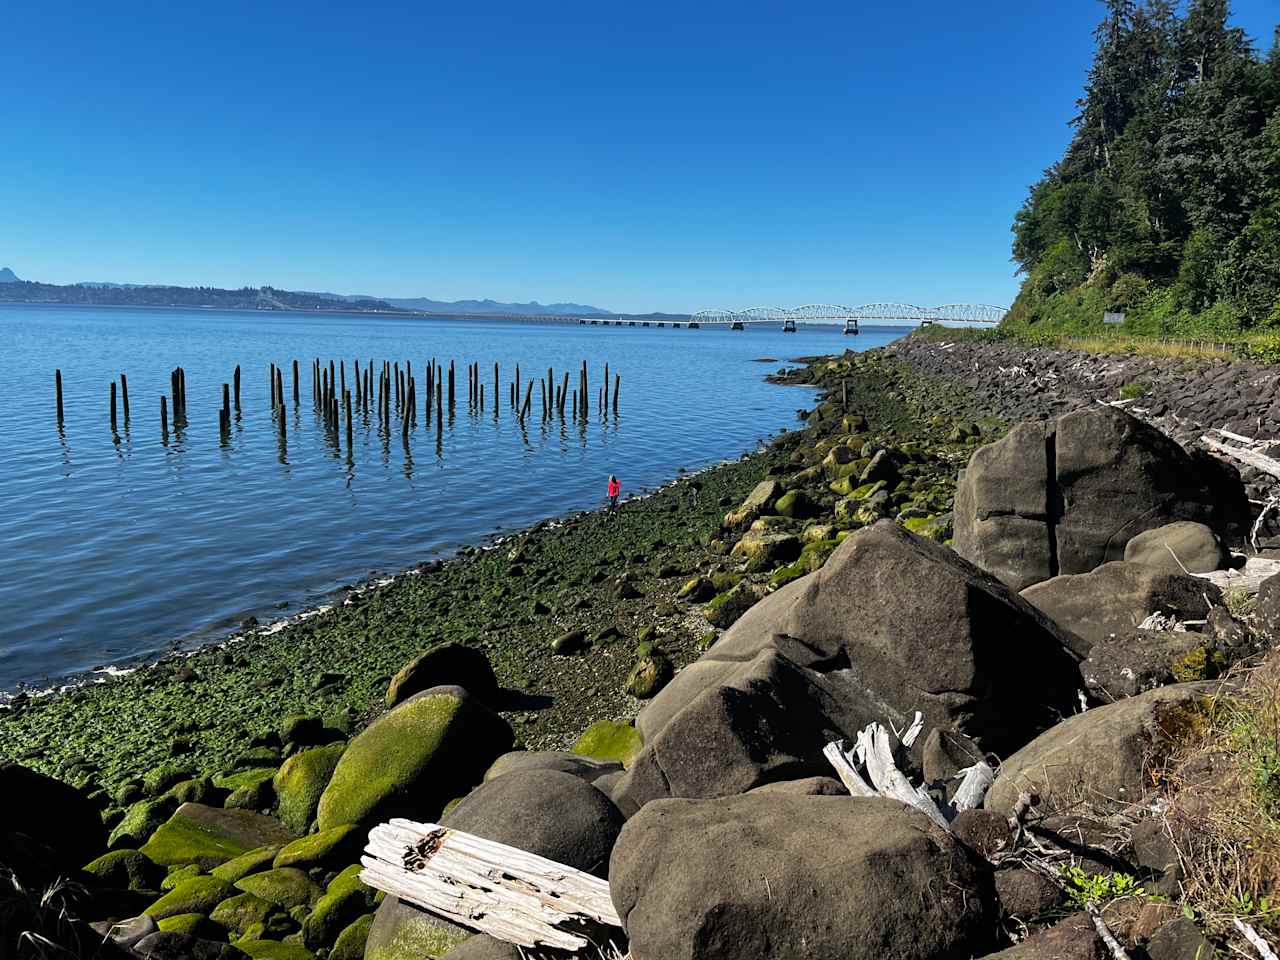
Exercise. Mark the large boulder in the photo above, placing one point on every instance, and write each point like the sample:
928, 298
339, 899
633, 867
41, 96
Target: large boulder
414, 759
891, 624
1117, 597
737, 878
1067, 495
1135, 661
48, 812
520, 761
1102, 757
446, 664
1180, 547
210, 836
545, 812
301, 780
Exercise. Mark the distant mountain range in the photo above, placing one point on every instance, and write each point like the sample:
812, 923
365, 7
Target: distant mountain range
105, 293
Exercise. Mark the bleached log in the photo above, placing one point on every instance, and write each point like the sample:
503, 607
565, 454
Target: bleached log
1244, 455
909, 736
846, 771
876, 754
489, 887
1247, 579
973, 788
1255, 938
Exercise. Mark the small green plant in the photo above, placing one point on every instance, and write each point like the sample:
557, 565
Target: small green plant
1132, 391
1257, 740
1239, 602
1097, 890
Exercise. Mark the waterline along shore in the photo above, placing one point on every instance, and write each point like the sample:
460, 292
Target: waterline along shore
610, 689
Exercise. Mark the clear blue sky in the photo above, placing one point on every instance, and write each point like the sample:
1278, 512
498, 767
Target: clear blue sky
634, 156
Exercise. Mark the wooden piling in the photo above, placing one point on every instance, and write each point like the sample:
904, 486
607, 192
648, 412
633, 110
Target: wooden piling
439, 411
124, 395
482, 398
528, 396
617, 384
496, 394
346, 400
451, 393
295, 384
279, 388
164, 416
113, 406
57, 389
515, 392
182, 390
235, 378
605, 408
564, 391
282, 424
226, 408
543, 385
271, 383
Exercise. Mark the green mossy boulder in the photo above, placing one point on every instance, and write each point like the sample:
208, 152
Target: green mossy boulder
766, 551
274, 950
301, 729
649, 675
197, 895
796, 504
159, 779
343, 902
286, 887
759, 501
256, 796
300, 782
402, 932
198, 790
243, 778
609, 740
127, 870
569, 643
192, 924
258, 859
414, 759
932, 528
140, 821
209, 836
697, 589
351, 941
724, 610
453, 664
340, 844
244, 914
180, 874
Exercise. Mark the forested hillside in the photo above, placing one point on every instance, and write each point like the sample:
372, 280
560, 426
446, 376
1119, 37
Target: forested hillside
1166, 204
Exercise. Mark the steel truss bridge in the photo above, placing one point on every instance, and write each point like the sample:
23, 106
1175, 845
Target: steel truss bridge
831, 313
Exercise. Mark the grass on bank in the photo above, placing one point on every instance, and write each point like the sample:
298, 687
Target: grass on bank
1264, 349
1223, 814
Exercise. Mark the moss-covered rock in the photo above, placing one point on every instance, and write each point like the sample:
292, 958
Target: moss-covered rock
697, 589
351, 941
274, 950
345, 899
796, 504
243, 778
192, 924
609, 740
337, 845
209, 836
140, 821
933, 528
649, 675
766, 551
1201, 663
414, 759
760, 500
403, 932
453, 664
242, 912
300, 782
301, 729
126, 869
197, 895
285, 887
196, 790
160, 778
256, 796
179, 875
727, 607
257, 859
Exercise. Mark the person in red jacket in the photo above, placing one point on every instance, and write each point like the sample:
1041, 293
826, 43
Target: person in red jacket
614, 489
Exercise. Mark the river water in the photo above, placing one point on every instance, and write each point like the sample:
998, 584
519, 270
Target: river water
115, 547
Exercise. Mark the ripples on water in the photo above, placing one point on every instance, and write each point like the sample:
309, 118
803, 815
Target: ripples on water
111, 550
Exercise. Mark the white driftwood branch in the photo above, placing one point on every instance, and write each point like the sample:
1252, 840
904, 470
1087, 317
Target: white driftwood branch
490, 887
909, 736
877, 755
1113, 945
973, 788
1244, 455
846, 771
1248, 579
1255, 938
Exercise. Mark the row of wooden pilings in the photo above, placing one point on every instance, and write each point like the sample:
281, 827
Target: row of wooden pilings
392, 392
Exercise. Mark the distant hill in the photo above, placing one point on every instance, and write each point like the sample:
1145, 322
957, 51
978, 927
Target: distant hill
8, 276
479, 307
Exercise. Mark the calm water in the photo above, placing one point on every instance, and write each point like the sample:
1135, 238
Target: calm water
111, 550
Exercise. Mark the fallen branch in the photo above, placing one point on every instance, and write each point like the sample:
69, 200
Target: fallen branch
1246, 456
973, 788
1113, 945
1255, 938
507, 893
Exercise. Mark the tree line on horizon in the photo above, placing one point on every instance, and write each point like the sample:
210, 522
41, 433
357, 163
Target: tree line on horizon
1166, 203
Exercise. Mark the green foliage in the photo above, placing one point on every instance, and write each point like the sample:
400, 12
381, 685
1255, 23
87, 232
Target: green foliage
1255, 735
1084, 889
1166, 204
1131, 391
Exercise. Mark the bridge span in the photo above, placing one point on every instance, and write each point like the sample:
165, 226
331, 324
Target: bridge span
828, 313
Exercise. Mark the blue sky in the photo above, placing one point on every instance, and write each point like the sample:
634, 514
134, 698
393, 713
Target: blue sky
656, 155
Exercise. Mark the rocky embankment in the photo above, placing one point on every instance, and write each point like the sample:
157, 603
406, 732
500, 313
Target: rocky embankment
1049, 616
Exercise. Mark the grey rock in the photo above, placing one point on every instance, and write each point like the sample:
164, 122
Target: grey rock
1180, 547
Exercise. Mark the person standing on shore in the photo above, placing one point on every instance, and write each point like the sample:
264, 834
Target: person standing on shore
614, 489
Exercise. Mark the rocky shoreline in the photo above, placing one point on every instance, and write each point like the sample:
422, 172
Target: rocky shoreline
622, 686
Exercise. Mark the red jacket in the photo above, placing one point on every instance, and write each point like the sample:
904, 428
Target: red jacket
614, 487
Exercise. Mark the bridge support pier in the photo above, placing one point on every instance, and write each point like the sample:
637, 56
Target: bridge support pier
737, 325
851, 329
788, 326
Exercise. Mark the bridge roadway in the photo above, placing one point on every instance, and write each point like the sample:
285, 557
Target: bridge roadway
825, 313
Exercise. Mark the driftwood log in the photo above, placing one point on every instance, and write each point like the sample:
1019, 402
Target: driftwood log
489, 887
